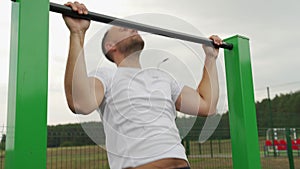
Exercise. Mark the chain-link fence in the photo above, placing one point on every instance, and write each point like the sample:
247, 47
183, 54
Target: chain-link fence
72, 150
212, 154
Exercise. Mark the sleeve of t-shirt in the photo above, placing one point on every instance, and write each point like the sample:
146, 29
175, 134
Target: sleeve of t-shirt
104, 75
176, 88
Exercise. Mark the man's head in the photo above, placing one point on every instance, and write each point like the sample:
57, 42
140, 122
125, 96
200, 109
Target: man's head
120, 42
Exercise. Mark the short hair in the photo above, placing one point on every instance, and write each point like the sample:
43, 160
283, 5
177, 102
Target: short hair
106, 53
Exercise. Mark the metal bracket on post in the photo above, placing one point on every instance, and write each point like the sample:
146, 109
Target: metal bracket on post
242, 114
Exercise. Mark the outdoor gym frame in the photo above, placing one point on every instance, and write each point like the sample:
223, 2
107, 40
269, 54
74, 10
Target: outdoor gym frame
26, 141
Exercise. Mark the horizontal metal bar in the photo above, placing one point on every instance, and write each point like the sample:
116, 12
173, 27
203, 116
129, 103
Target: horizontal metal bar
65, 10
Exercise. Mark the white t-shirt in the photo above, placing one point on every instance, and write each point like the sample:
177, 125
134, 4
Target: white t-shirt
138, 113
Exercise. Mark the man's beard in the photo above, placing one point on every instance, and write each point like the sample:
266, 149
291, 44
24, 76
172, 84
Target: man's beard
131, 45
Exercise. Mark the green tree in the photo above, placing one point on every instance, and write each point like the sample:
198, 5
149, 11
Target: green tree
2, 143
285, 111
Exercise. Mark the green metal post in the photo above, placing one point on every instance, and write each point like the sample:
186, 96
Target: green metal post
211, 149
242, 114
26, 140
200, 149
289, 147
219, 141
188, 150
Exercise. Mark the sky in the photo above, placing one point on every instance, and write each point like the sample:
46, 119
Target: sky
272, 26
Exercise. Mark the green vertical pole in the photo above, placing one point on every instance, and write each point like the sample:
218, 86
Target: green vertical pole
289, 148
200, 149
242, 114
26, 140
219, 141
211, 149
188, 150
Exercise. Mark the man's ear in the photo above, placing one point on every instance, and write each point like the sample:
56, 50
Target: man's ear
109, 47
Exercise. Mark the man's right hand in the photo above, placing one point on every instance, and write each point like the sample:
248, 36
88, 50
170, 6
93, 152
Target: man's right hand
77, 25
84, 94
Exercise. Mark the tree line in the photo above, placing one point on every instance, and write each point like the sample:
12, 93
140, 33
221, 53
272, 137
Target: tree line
283, 111
280, 112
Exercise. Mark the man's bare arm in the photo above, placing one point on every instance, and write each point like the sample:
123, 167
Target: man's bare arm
84, 94
204, 100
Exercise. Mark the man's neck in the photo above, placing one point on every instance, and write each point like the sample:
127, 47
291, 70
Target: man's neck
131, 61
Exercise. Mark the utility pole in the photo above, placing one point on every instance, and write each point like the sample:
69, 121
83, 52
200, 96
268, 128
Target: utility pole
271, 121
